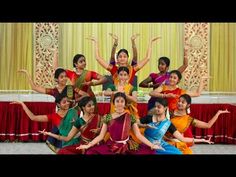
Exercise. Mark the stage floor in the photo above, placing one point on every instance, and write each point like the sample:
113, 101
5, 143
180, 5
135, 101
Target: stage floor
41, 148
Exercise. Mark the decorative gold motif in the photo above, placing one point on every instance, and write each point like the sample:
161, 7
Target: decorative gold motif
46, 41
197, 40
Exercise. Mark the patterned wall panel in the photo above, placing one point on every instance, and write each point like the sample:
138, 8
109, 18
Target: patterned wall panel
196, 39
45, 42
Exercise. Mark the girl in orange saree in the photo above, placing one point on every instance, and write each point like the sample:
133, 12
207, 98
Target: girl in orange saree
172, 92
182, 120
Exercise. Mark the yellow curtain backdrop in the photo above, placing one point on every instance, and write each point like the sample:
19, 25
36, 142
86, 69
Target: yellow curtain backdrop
223, 57
72, 40
16, 46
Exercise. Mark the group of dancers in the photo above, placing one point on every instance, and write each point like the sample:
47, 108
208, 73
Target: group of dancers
164, 130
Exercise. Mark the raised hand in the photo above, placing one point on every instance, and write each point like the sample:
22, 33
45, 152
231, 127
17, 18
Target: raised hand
133, 37
206, 77
155, 39
115, 37
92, 39
23, 71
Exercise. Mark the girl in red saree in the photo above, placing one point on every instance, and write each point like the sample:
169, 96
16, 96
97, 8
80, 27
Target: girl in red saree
119, 125
88, 126
182, 120
172, 92
81, 78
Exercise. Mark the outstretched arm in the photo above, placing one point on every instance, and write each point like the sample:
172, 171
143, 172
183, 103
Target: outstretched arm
32, 84
38, 118
71, 134
95, 140
143, 62
98, 81
101, 80
180, 137
100, 60
55, 59
135, 53
185, 62
201, 124
146, 83
198, 92
156, 92
113, 51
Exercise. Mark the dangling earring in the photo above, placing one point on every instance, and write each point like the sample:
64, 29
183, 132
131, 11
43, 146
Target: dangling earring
81, 114
188, 110
167, 114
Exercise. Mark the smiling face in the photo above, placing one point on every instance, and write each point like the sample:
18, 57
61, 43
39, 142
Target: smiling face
159, 109
62, 78
81, 63
162, 67
64, 103
123, 76
182, 104
119, 103
122, 59
89, 107
174, 79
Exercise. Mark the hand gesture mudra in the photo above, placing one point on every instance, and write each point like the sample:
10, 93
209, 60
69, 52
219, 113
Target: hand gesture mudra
115, 37
133, 37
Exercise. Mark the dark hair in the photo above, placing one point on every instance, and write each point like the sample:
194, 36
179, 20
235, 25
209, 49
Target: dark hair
123, 50
82, 103
177, 73
119, 94
58, 72
162, 101
123, 68
165, 59
187, 98
60, 97
76, 58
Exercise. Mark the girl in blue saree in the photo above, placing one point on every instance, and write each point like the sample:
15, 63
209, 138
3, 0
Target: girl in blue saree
158, 125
